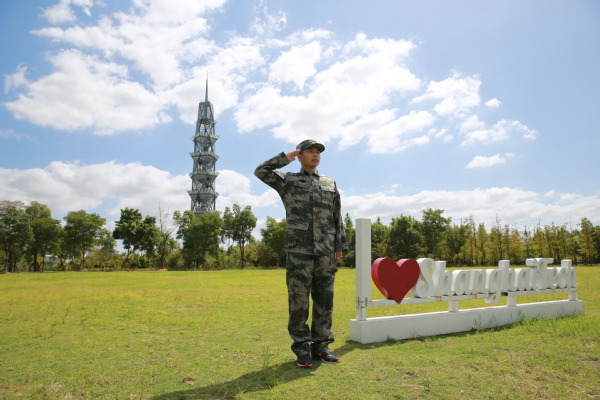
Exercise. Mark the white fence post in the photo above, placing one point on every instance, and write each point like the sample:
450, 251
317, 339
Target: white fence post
363, 267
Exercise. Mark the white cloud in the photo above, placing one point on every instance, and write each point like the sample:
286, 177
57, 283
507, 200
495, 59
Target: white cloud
62, 12
493, 103
296, 65
265, 23
471, 123
344, 98
458, 95
227, 68
85, 92
441, 134
108, 187
513, 205
15, 80
155, 38
392, 49
161, 39
59, 13
74, 186
502, 130
485, 162
157, 54
307, 36
390, 136
234, 188
9, 134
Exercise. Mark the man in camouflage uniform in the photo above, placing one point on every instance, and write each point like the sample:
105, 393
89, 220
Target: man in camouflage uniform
315, 241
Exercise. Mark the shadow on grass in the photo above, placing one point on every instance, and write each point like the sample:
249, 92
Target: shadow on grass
275, 375
267, 378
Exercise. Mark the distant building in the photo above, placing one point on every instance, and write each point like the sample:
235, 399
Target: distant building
203, 174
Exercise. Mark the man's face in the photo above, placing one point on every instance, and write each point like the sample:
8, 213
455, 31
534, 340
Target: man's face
310, 158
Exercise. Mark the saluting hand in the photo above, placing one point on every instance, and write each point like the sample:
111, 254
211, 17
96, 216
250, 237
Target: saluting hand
291, 156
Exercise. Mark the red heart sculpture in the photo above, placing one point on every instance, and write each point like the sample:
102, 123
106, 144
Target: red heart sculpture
395, 279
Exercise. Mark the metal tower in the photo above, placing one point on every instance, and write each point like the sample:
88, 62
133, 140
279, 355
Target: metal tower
203, 175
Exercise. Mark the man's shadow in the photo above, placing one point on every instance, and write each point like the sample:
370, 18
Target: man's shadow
267, 378
274, 375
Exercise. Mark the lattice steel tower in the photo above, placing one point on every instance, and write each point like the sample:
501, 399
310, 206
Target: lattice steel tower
203, 175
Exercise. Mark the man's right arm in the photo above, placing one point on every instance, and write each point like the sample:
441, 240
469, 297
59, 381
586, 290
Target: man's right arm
266, 171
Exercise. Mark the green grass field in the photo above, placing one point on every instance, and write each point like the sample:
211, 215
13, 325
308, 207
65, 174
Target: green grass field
222, 335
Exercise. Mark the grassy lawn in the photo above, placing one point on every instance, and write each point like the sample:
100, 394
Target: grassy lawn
222, 335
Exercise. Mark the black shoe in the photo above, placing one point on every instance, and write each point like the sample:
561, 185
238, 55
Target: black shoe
304, 361
325, 356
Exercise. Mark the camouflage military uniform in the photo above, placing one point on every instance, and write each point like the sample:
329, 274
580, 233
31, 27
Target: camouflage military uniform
314, 232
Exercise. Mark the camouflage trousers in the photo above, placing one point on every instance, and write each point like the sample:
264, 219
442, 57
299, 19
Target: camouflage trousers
310, 276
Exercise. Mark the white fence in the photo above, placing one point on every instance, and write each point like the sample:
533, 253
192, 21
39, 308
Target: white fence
453, 286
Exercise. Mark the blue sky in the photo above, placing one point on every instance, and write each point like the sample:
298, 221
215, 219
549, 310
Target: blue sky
474, 107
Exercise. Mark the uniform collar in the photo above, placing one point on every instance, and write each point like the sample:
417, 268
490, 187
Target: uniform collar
305, 172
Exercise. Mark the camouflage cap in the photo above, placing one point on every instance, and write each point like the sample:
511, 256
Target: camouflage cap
305, 144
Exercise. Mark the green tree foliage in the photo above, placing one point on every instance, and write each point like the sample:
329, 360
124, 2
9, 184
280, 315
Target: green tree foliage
349, 257
273, 238
470, 246
29, 233
405, 238
432, 228
15, 233
46, 234
454, 239
238, 225
379, 239
482, 239
587, 240
166, 244
516, 246
495, 243
597, 239
200, 236
81, 233
104, 256
136, 232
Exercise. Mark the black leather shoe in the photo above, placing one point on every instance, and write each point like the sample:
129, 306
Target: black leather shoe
304, 361
325, 356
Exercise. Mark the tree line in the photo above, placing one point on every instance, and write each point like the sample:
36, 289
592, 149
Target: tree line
469, 243
31, 240
29, 237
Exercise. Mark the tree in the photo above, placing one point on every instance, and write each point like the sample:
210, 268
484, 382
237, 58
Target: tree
587, 242
379, 239
470, 248
46, 233
432, 228
274, 236
454, 240
516, 249
597, 241
81, 232
165, 241
238, 225
200, 235
349, 257
15, 232
495, 242
482, 239
405, 238
105, 251
135, 232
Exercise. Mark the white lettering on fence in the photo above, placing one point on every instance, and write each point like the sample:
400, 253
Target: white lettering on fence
436, 283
